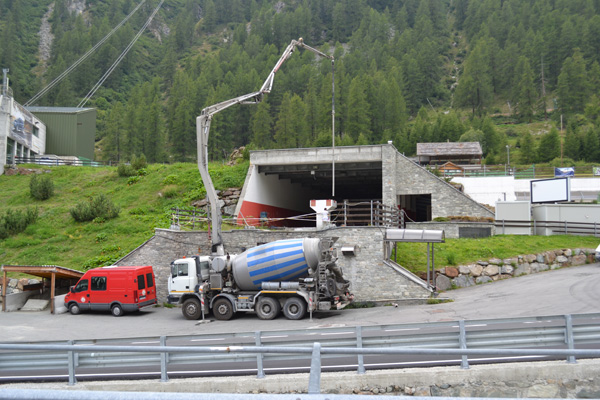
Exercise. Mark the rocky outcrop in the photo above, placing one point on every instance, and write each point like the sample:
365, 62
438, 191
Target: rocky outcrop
228, 200
495, 269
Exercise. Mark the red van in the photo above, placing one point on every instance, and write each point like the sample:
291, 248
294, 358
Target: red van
118, 289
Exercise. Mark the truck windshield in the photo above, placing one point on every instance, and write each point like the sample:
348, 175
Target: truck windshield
179, 270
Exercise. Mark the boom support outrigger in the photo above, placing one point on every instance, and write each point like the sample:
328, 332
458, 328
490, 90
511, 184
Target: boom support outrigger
203, 129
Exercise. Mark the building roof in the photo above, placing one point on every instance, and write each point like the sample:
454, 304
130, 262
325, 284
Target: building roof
58, 110
449, 149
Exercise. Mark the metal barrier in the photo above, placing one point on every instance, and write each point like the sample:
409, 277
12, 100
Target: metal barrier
457, 338
557, 227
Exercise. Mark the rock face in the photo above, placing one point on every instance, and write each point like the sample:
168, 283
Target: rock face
228, 200
494, 269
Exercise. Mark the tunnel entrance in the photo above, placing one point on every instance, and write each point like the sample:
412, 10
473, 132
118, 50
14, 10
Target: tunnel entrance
416, 206
285, 190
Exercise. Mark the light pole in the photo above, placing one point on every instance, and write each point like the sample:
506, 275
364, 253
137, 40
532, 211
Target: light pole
508, 157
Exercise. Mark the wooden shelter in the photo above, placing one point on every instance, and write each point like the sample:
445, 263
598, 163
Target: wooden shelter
458, 153
49, 272
449, 168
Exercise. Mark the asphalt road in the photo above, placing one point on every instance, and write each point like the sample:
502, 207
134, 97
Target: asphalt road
572, 290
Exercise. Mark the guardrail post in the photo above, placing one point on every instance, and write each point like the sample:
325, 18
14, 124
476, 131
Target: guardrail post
462, 340
314, 382
71, 357
164, 376
260, 372
566, 229
570, 340
361, 363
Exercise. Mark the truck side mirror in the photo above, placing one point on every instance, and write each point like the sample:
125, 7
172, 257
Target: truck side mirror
72, 289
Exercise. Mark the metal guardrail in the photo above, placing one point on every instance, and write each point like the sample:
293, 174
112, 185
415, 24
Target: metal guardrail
475, 337
557, 227
56, 161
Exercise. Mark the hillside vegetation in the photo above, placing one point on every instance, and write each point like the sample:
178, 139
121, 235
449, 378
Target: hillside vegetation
145, 203
406, 70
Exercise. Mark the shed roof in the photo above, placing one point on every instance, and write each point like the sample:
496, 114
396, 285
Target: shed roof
449, 149
58, 110
44, 271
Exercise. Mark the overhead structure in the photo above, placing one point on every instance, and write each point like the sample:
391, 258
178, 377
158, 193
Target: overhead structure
203, 129
51, 272
428, 236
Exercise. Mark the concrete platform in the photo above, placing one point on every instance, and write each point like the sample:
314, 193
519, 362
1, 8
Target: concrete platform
35, 305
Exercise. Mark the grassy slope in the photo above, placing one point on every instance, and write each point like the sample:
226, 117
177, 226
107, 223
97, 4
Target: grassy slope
57, 239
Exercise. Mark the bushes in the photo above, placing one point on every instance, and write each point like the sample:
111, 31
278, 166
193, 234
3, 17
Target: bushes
137, 167
13, 222
98, 209
41, 187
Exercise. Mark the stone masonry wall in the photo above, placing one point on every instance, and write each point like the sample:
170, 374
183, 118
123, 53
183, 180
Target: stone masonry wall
371, 279
495, 269
412, 179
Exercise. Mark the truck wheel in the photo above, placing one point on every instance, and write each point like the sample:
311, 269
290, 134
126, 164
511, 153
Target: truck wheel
294, 308
222, 309
116, 310
267, 308
191, 309
74, 309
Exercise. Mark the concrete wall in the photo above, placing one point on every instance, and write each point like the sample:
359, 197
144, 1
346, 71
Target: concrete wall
371, 280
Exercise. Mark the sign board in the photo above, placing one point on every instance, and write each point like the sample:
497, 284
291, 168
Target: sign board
596, 171
562, 172
550, 190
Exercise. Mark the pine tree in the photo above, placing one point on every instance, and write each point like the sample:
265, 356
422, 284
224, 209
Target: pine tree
549, 147
474, 87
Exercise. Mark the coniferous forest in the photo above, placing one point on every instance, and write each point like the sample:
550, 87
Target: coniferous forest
405, 70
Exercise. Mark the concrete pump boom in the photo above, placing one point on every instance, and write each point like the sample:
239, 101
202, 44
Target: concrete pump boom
203, 129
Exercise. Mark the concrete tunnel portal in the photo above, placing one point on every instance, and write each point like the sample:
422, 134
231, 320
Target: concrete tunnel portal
284, 190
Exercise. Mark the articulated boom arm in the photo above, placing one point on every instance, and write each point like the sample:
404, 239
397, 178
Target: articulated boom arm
203, 130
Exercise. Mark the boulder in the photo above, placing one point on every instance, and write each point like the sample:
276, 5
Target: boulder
491, 270
579, 259
476, 270
495, 261
463, 281
562, 259
483, 279
451, 272
442, 282
464, 270
507, 269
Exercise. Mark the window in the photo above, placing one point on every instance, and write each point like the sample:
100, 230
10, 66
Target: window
179, 270
141, 282
149, 279
82, 286
36, 130
98, 283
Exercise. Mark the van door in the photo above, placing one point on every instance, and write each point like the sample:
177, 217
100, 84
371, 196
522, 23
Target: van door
98, 295
81, 294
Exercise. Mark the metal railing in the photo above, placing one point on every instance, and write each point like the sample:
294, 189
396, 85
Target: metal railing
556, 227
361, 213
459, 338
57, 161
530, 172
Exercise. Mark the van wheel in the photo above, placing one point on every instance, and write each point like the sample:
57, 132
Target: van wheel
74, 309
191, 309
294, 308
222, 309
267, 308
116, 310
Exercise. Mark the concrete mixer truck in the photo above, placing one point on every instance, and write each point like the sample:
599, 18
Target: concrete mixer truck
293, 276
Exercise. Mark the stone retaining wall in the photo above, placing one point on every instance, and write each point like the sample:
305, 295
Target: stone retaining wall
495, 268
371, 280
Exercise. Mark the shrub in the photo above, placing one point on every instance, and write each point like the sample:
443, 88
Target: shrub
13, 222
41, 187
99, 208
126, 170
139, 162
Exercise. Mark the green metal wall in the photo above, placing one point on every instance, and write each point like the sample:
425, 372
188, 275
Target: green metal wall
70, 133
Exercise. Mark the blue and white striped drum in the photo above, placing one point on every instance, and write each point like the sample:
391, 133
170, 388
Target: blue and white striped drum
279, 261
